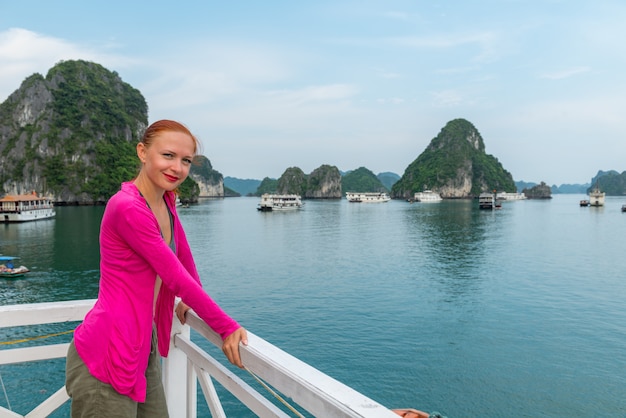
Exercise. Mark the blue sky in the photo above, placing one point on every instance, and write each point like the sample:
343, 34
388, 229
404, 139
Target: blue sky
271, 85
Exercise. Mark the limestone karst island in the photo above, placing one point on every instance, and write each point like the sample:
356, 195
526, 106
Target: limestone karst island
70, 136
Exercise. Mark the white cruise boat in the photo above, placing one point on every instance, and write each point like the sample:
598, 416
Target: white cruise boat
368, 197
279, 202
510, 196
486, 201
25, 207
596, 197
427, 196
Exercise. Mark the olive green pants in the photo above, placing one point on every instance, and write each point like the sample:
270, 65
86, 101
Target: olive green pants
92, 398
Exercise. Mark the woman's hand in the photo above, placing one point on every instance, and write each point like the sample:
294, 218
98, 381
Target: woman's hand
181, 310
230, 347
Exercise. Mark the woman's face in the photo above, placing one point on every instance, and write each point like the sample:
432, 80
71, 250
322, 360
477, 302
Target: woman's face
166, 161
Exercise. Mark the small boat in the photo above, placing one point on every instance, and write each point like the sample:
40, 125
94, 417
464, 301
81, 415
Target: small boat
8, 270
596, 197
279, 202
427, 196
368, 197
584, 203
623, 208
25, 207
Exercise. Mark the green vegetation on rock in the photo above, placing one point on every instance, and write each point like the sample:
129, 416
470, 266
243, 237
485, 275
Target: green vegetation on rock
72, 135
610, 182
388, 179
188, 191
539, 191
361, 180
454, 164
293, 181
267, 185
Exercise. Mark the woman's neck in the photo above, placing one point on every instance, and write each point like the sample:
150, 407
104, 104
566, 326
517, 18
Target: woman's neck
153, 195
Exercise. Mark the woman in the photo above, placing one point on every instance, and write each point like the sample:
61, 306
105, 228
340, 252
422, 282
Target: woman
113, 363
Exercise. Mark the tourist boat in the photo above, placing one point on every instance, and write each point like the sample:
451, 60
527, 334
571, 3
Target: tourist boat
486, 201
368, 197
584, 203
25, 207
427, 196
279, 202
596, 197
510, 196
8, 270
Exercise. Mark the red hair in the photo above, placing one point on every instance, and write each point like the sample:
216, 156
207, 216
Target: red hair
165, 125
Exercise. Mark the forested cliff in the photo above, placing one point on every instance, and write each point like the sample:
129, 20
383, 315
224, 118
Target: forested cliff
456, 165
71, 135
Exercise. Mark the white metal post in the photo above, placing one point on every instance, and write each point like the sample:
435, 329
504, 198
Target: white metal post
179, 381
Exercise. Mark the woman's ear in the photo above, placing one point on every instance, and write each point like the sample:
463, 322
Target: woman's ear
141, 152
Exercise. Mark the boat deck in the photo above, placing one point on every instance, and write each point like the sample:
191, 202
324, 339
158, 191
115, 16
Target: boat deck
308, 390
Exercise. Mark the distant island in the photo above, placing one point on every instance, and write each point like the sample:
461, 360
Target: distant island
71, 135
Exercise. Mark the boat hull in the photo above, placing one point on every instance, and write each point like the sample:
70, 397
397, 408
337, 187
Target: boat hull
25, 208
12, 275
599, 201
27, 215
276, 202
368, 197
277, 208
7, 271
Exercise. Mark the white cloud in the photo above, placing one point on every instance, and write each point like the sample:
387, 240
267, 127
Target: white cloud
397, 15
206, 72
309, 94
559, 75
447, 98
391, 100
23, 53
484, 41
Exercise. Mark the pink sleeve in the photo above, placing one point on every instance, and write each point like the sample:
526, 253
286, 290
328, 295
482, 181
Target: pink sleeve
140, 229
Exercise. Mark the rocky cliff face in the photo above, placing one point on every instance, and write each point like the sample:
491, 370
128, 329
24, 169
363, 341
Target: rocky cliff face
540, 191
292, 181
459, 186
71, 135
210, 182
208, 188
324, 183
456, 165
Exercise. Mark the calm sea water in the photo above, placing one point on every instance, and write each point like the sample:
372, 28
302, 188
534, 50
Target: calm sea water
508, 313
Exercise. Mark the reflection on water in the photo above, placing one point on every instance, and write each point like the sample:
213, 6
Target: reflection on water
62, 254
453, 239
31, 241
443, 307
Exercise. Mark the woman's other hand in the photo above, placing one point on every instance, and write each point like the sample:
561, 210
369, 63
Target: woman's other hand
181, 310
230, 347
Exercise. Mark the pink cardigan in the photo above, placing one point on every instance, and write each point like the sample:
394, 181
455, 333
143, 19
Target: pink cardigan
114, 339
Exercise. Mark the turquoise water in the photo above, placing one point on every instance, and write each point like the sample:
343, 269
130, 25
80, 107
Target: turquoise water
515, 312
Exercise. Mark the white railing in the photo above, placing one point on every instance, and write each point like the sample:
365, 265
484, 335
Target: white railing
283, 377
